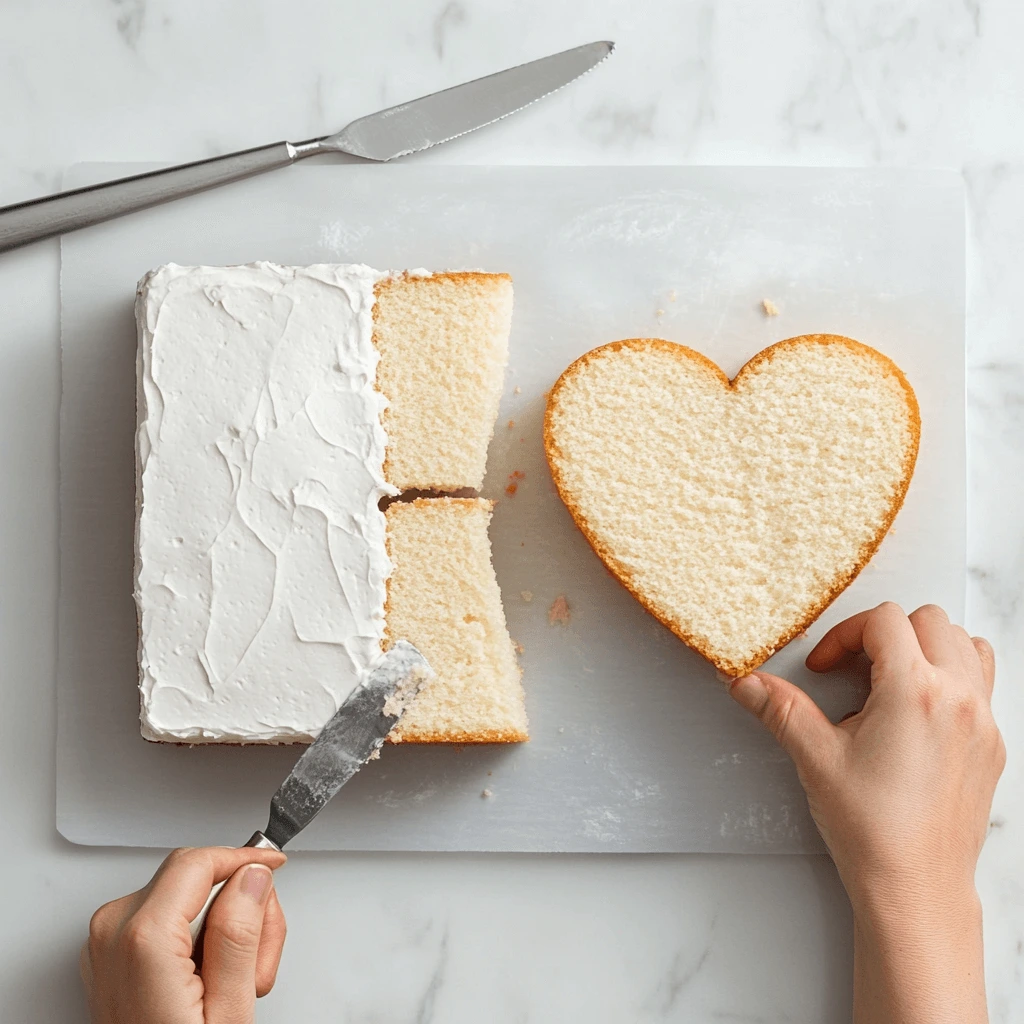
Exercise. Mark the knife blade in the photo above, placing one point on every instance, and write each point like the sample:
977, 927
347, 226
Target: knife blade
397, 131
351, 738
442, 116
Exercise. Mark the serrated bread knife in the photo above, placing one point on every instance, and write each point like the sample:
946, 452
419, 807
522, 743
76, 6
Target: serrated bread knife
346, 743
397, 131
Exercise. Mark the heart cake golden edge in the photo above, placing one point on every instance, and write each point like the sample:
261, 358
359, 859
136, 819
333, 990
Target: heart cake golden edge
558, 460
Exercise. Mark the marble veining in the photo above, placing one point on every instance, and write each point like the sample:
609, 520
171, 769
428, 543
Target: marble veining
452, 15
383, 940
130, 20
428, 1001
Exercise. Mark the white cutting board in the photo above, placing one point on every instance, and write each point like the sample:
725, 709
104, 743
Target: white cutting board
636, 746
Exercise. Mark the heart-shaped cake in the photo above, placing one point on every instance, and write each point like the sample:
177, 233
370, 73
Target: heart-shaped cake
734, 511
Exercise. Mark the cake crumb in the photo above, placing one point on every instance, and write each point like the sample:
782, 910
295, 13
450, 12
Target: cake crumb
561, 728
513, 481
526, 595
770, 309
519, 648
892, 531
672, 295
558, 613
486, 794
511, 424
375, 756
659, 312
517, 390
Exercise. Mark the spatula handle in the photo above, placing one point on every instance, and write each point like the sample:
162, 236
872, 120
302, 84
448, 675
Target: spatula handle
53, 215
260, 842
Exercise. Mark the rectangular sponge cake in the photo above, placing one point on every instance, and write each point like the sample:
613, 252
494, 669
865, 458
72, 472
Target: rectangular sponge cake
277, 407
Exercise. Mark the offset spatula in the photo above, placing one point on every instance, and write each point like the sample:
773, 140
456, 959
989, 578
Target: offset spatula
347, 742
397, 131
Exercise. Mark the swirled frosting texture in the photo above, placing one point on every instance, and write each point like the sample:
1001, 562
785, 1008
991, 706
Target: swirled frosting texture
260, 564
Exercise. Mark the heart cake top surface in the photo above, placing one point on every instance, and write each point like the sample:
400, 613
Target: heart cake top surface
734, 511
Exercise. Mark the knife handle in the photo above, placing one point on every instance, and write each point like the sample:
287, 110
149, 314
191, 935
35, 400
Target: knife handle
66, 211
258, 841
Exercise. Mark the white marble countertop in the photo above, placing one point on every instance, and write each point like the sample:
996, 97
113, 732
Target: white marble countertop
452, 939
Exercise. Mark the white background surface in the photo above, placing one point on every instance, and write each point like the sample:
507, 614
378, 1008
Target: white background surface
635, 745
514, 939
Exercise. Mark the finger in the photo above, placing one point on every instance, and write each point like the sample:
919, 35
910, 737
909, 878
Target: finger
987, 657
798, 724
884, 634
935, 635
183, 883
268, 958
231, 946
967, 655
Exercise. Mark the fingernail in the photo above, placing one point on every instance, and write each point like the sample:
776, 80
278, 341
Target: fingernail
256, 883
749, 691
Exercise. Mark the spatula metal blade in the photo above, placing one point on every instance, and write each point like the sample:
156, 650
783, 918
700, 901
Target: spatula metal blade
347, 742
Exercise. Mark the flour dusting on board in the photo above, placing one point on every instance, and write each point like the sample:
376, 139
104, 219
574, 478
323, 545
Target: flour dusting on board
760, 823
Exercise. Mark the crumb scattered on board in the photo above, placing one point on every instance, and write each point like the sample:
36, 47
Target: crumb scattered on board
659, 312
558, 613
672, 295
486, 794
518, 647
770, 309
375, 756
513, 481
561, 728
517, 390
526, 595
511, 424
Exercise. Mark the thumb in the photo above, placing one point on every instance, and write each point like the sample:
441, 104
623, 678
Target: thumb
231, 946
798, 724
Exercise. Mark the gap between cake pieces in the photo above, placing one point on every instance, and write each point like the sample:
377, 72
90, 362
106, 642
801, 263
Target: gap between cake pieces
285, 415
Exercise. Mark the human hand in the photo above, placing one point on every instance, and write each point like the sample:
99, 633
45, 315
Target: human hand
137, 963
901, 793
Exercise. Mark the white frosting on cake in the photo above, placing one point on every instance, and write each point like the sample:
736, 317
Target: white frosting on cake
260, 548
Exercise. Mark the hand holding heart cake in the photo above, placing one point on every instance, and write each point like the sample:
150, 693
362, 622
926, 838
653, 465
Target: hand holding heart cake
734, 511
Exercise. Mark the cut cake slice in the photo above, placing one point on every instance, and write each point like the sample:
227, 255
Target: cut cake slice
444, 598
443, 343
